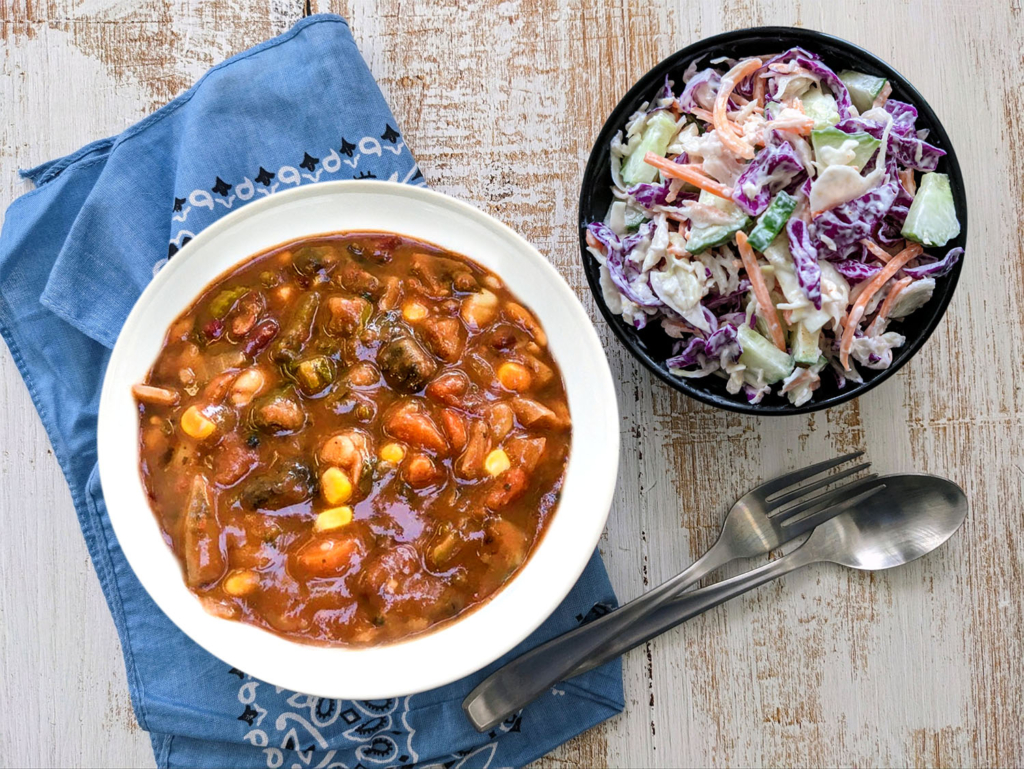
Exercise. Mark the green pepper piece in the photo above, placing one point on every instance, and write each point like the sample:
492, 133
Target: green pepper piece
772, 221
314, 374
296, 333
225, 300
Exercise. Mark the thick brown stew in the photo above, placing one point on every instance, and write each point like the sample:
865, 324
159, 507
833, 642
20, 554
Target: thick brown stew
352, 438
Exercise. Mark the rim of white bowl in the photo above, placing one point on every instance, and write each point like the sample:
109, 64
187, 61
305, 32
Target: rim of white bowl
457, 648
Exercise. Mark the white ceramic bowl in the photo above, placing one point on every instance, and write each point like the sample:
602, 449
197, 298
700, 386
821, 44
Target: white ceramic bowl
467, 644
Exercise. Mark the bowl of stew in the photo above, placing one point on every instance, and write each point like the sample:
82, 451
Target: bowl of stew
358, 439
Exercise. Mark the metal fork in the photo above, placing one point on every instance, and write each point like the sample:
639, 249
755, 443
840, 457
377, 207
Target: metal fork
761, 520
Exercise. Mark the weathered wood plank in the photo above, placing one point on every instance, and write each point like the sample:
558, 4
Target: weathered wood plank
500, 101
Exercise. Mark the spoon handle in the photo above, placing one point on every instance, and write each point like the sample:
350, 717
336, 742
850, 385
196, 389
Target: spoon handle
688, 606
522, 680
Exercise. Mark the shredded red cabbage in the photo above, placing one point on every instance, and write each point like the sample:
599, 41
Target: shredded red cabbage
855, 271
649, 195
625, 274
935, 268
805, 260
772, 169
734, 299
848, 223
700, 91
829, 78
707, 353
722, 340
905, 147
690, 356
605, 236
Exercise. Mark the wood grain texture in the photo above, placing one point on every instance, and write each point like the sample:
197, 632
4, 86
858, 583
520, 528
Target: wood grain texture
500, 100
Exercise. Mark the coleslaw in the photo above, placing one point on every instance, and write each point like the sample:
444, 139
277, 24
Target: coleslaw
772, 218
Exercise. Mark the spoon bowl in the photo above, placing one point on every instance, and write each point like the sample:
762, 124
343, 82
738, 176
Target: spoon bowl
913, 516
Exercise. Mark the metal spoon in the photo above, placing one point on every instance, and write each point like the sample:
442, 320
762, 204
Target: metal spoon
910, 518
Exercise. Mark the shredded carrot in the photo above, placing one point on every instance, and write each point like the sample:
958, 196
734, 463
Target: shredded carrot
857, 310
804, 129
908, 181
759, 84
804, 377
677, 251
594, 242
731, 79
887, 304
883, 95
707, 117
691, 173
676, 217
711, 214
876, 250
801, 128
764, 299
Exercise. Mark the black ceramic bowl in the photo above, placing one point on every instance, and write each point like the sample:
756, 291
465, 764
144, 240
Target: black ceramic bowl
651, 346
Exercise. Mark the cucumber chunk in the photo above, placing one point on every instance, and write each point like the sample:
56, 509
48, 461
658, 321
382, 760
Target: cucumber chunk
634, 217
834, 147
656, 137
703, 238
863, 88
805, 345
932, 220
820, 106
772, 221
761, 355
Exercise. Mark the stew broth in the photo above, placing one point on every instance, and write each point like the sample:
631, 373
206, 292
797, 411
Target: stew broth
352, 438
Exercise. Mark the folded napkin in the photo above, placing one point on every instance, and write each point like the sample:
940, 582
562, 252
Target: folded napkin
74, 255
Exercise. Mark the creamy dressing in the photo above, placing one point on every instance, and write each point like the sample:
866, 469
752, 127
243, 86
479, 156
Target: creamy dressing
843, 155
681, 284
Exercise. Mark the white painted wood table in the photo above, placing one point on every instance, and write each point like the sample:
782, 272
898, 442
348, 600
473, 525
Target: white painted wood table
501, 100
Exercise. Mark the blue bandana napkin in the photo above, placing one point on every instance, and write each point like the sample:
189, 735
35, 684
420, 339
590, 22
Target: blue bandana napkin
76, 252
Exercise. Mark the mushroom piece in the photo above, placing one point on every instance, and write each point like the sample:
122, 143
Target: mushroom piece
406, 365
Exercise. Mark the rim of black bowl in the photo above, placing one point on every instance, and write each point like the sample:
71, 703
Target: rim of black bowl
595, 193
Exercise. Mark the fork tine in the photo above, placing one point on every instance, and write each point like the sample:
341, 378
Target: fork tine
832, 497
775, 485
795, 528
778, 502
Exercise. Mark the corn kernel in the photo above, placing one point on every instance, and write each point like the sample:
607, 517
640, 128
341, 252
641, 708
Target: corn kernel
392, 452
514, 376
335, 486
241, 582
334, 518
414, 311
497, 462
195, 425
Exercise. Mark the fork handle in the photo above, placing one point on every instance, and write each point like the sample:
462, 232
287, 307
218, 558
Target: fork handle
525, 678
688, 606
